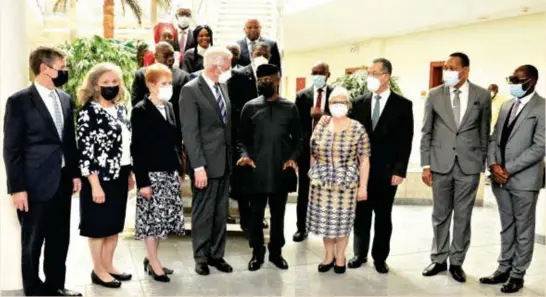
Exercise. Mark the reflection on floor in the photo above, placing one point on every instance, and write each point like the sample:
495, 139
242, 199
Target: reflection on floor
409, 255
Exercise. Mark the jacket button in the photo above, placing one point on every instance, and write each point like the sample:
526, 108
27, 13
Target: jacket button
453, 148
457, 134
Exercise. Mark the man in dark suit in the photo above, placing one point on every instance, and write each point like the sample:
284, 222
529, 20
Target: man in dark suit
205, 113
164, 54
312, 103
182, 22
388, 119
41, 162
253, 31
243, 88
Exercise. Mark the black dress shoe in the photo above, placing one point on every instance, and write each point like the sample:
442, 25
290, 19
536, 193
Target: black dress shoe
299, 236
457, 273
434, 268
357, 261
163, 278
165, 269
122, 277
279, 261
326, 267
202, 269
496, 278
381, 267
512, 285
255, 263
65, 292
114, 284
221, 265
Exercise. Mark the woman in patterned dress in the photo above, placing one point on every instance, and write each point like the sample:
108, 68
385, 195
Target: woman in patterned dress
339, 171
104, 140
156, 150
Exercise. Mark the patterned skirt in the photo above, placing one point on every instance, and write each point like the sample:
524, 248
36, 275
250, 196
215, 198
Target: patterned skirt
331, 213
163, 213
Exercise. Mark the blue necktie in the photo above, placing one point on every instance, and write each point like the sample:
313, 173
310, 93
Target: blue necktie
376, 111
220, 101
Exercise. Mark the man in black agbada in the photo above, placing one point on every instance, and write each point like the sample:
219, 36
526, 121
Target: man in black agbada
270, 136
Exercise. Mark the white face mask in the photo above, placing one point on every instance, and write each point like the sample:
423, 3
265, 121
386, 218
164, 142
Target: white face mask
165, 93
319, 81
373, 83
451, 78
183, 22
224, 76
338, 110
259, 61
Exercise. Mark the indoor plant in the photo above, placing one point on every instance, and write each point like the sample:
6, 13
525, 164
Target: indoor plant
356, 84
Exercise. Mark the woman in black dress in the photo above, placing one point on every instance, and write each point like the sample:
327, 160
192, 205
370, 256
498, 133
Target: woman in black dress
193, 58
104, 139
156, 148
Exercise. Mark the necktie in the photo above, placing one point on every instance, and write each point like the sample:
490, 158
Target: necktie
182, 43
57, 114
220, 101
376, 111
457, 107
252, 46
514, 112
318, 105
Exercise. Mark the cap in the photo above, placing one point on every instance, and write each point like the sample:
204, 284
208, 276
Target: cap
266, 69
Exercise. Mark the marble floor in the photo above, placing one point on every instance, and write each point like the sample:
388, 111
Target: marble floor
409, 255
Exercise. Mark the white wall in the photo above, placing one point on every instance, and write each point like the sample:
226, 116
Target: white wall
495, 49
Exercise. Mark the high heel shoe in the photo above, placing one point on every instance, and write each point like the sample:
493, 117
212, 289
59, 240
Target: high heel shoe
340, 269
159, 278
114, 284
146, 262
326, 267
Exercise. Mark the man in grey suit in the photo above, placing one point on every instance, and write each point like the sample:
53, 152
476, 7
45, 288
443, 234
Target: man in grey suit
516, 161
454, 142
205, 116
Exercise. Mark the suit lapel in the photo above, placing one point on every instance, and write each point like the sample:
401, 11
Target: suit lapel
42, 110
367, 110
209, 95
244, 49
385, 113
65, 104
502, 118
327, 100
472, 94
523, 114
225, 94
448, 109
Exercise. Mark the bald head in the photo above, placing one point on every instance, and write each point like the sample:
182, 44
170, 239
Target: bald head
253, 29
321, 68
164, 54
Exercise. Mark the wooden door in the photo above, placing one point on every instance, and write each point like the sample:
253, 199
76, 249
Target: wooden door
436, 71
300, 83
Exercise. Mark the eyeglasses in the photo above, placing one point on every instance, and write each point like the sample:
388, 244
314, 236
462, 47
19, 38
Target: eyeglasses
514, 80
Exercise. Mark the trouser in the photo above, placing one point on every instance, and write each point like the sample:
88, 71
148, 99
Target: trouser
454, 193
380, 202
209, 212
517, 214
47, 224
277, 207
303, 195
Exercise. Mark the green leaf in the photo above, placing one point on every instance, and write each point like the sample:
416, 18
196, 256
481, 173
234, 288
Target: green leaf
357, 86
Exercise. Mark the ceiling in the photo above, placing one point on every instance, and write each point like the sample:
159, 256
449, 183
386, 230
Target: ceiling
336, 22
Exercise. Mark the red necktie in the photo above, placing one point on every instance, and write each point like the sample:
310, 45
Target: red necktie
319, 103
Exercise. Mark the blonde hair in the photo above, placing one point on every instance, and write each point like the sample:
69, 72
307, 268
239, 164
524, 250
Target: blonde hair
342, 93
87, 91
215, 56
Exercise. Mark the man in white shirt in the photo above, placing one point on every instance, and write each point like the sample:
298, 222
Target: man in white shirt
455, 134
253, 31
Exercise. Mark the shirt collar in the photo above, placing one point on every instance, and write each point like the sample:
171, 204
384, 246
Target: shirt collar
385, 95
43, 91
209, 82
526, 99
316, 89
248, 41
464, 88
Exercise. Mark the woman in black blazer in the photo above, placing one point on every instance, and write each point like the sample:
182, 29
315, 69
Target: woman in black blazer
193, 58
156, 148
104, 140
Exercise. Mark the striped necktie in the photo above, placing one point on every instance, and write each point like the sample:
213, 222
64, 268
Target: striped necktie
57, 114
220, 101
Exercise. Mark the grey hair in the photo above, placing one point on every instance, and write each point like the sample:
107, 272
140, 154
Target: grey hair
387, 65
341, 92
216, 56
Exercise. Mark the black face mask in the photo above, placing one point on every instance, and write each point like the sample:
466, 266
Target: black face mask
266, 89
109, 93
61, 79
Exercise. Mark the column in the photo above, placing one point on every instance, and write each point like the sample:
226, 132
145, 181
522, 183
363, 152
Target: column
13, 77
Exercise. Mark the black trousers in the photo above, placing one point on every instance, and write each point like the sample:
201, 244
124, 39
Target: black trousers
303, 193
277, 207
244, 210
380, 201
209, 212
49, 222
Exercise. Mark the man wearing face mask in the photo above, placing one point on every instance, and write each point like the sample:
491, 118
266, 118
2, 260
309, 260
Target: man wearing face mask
243, 88
182, 21
312, 103
516, 161
455, 134
164, 54
205, 113
41, 161
270, 135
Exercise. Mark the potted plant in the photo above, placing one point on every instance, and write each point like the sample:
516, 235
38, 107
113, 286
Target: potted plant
357, 86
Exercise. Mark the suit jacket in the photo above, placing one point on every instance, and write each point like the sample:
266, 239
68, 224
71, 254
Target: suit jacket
392, 138
33, 150
246, 55
206, 137
190, 42
140, 91
192, 62
442, 141
524, 152
152, 151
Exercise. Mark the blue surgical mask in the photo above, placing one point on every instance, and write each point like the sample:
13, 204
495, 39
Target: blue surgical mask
319, 81
517, 90
451, 78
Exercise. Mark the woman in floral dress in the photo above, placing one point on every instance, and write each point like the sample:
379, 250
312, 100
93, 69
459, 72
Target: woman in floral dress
340, 153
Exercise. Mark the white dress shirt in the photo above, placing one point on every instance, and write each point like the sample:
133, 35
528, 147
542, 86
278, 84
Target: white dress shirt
382, 102
322, 100
50, 104
523, 101
463, 96
125, 138
249, 45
